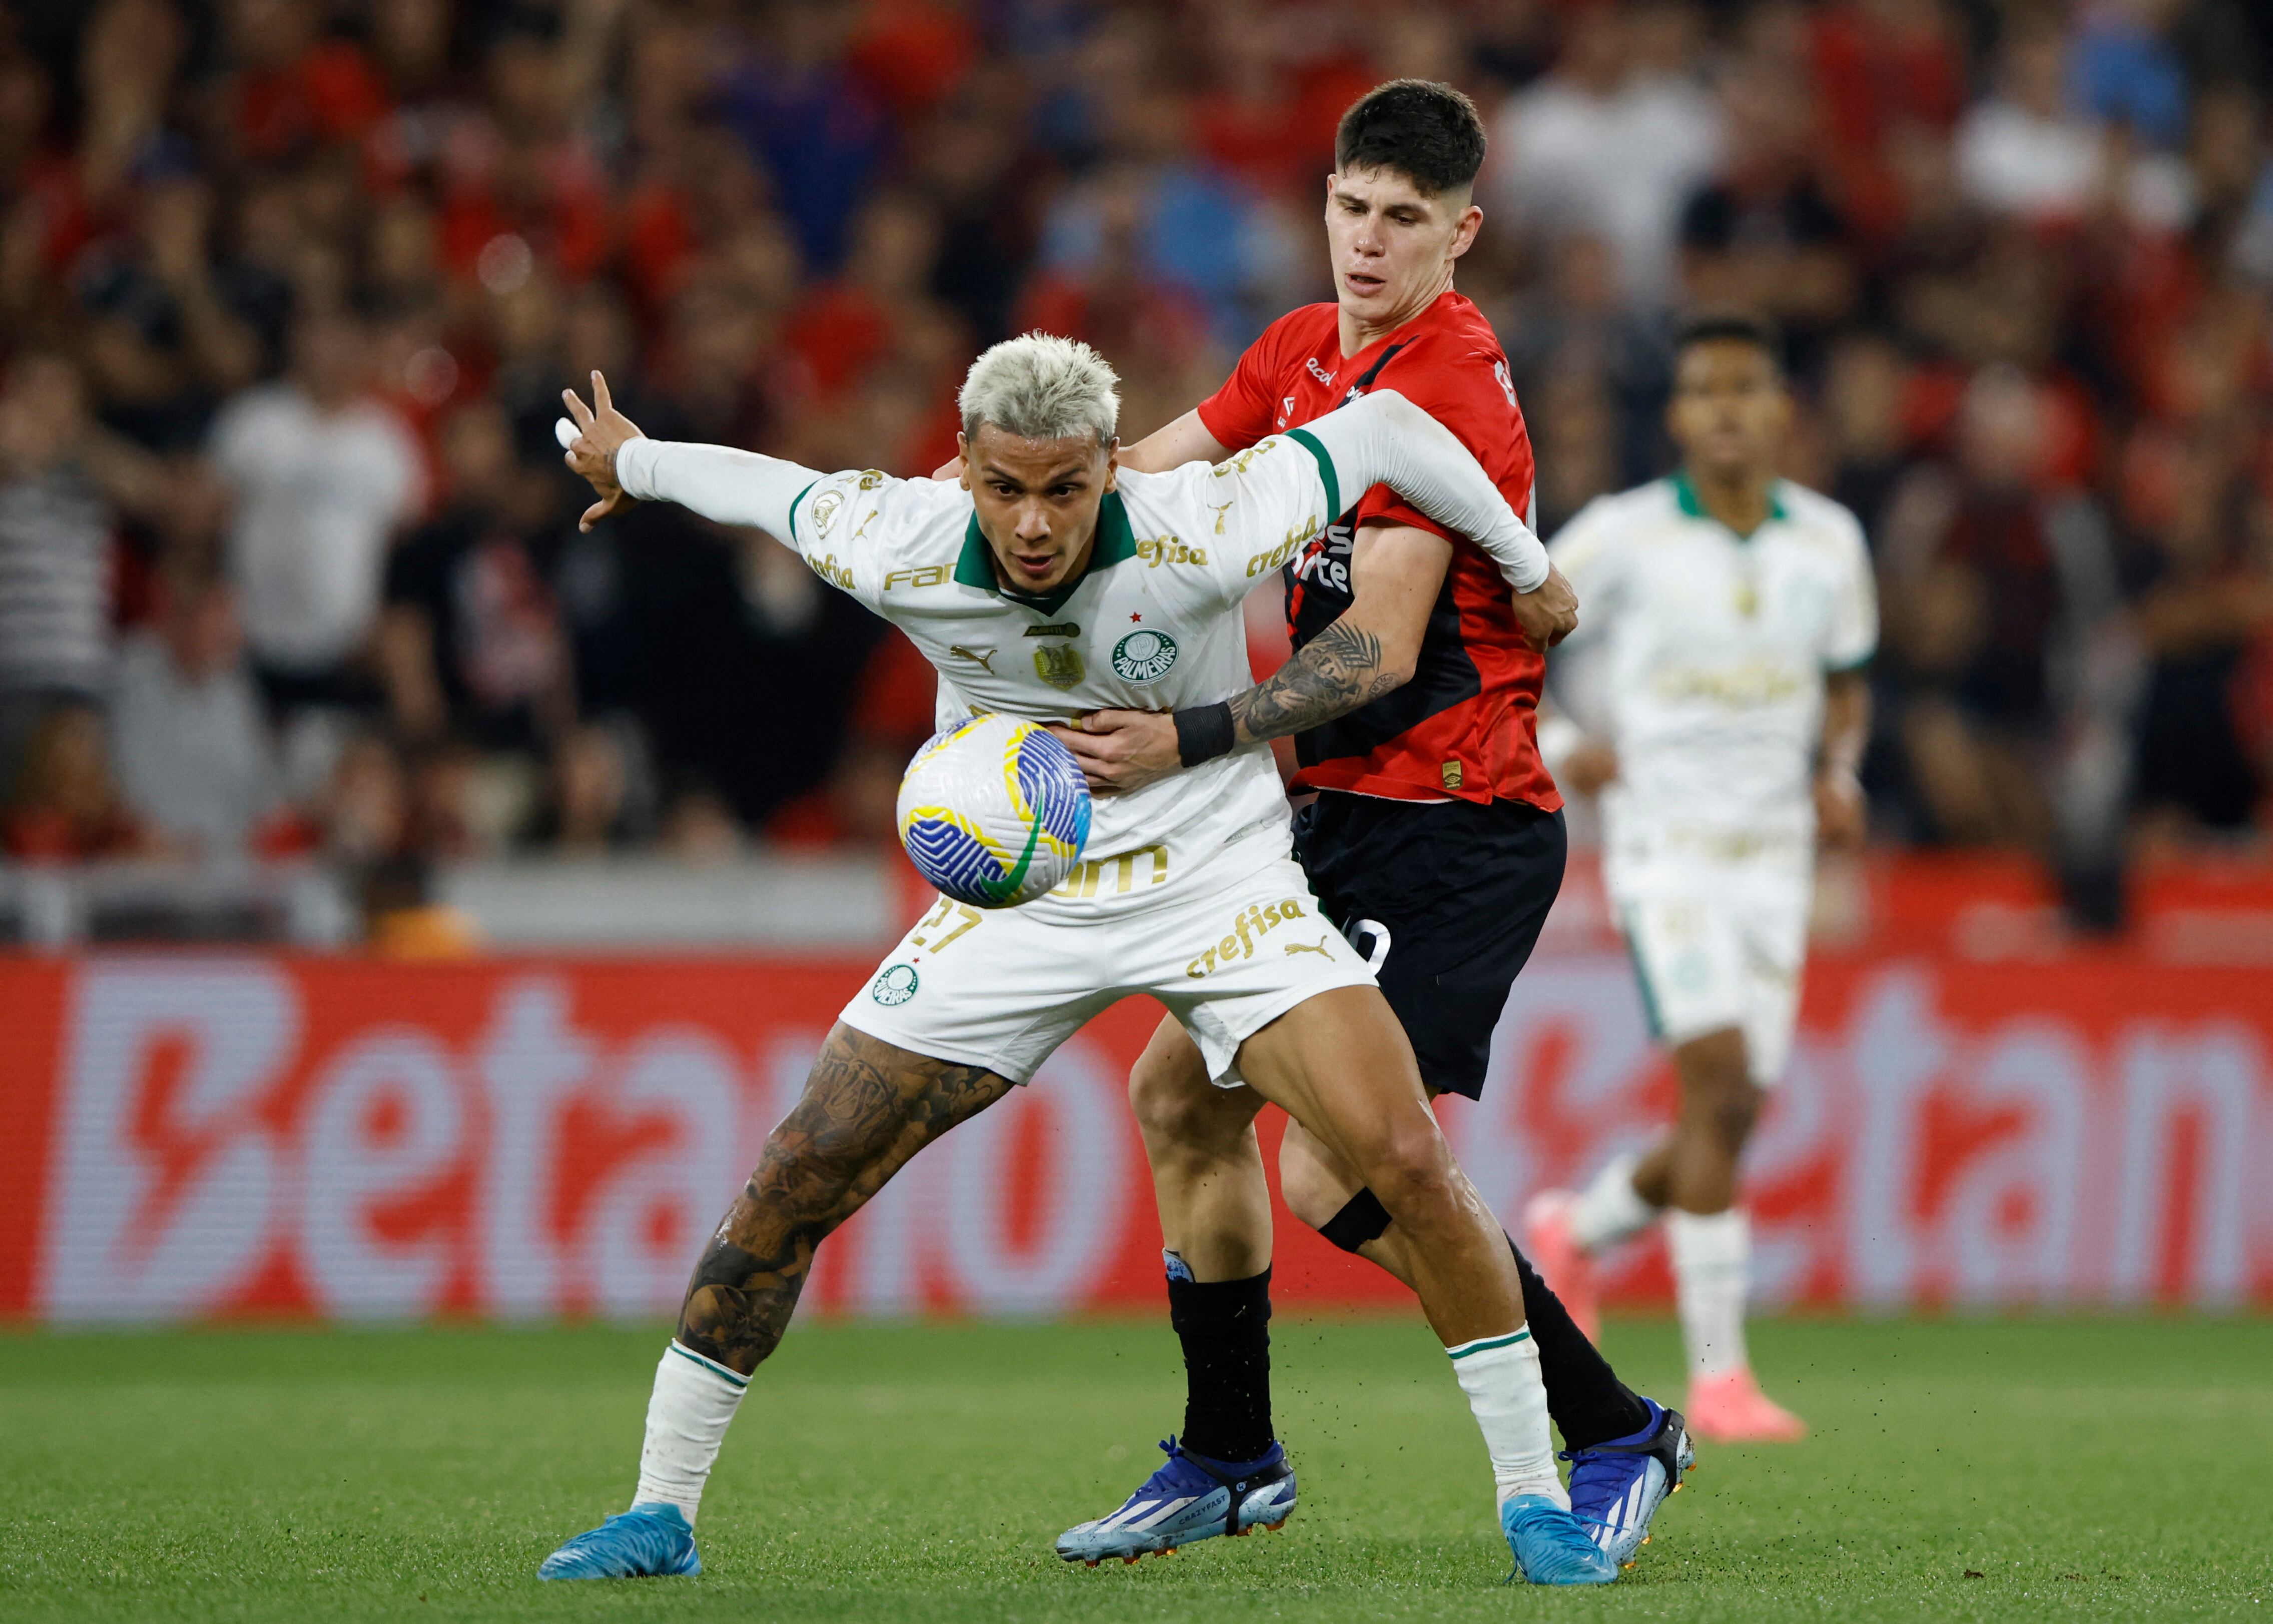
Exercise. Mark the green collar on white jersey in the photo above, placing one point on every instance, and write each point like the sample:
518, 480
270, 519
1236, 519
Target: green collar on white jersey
1115, 541
1685, 493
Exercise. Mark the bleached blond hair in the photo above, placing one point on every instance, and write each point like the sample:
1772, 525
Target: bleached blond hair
1039, 386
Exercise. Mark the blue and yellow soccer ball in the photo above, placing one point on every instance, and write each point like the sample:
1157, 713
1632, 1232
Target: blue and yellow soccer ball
993, 811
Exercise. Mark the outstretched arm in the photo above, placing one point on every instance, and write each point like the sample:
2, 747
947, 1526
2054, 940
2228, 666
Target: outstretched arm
1383, 439
718, 482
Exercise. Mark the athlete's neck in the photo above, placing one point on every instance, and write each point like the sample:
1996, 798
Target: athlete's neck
1741, 501
1357, 332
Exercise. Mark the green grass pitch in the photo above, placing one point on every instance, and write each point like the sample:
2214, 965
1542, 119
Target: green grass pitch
1959, 1469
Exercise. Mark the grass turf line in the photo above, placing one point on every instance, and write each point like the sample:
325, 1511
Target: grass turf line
2079, 1467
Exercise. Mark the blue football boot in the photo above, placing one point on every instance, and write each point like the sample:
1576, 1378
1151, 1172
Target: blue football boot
1617, 1487
1190, 1498
648, 1541
1551, 1546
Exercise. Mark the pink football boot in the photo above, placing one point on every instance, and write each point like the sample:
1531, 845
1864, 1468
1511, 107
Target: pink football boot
1731, 1409
1560, 1260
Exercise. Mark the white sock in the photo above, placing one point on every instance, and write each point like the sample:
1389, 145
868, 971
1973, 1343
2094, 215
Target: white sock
686, 1416
1610, 1209
1711, 1272
1500, 1375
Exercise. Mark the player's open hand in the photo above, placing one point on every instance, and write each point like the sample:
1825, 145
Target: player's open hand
1548, 612
1121, 750
601, 431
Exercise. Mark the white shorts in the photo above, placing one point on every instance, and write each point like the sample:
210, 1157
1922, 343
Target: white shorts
1717, 945
1228, 943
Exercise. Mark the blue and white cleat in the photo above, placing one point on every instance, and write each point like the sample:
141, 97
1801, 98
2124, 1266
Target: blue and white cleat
650, 1541
1617, 1487
1551, 1546
1190, 1498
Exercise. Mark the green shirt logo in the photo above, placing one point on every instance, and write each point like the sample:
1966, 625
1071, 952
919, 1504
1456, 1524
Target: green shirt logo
897, 984
1141, 657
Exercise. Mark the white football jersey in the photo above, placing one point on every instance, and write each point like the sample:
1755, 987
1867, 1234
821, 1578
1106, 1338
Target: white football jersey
1151, 624
1714, 649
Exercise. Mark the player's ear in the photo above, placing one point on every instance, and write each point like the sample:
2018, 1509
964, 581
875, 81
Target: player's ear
1113, 464
1465, 229
962, 455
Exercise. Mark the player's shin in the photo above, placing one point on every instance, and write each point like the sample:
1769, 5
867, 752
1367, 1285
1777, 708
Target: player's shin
1712, 1273
1224, 1326
1500, 1375
687, 1414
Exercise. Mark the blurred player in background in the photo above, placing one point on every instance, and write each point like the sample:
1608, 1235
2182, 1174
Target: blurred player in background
1028, 588
1733, 613
1437, 839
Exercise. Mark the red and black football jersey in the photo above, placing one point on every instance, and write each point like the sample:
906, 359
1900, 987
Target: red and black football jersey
1466, 725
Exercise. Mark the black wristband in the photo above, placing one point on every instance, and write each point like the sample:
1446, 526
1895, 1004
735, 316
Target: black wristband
1203, 733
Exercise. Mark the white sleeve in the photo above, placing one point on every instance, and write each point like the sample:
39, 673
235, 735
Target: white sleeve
723, 484
1852, 637
1383, 439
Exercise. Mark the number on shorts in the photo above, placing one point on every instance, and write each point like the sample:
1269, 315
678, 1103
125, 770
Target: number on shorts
938, 916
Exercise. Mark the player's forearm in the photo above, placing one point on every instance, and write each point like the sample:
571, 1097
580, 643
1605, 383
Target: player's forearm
1343, 667
1846, 723
723, 484
1383, 439
1187, 439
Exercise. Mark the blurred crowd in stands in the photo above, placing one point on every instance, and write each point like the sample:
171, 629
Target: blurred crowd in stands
288, 290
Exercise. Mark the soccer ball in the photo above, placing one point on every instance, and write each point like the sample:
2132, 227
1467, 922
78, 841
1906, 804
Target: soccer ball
993, 811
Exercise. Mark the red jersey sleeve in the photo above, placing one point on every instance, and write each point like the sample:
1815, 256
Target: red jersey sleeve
1468, 390
1247, 408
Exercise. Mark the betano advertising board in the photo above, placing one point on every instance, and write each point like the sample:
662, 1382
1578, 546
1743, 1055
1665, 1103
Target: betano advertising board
194, 1135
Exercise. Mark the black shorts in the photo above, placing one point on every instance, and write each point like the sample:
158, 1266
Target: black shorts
1459, 890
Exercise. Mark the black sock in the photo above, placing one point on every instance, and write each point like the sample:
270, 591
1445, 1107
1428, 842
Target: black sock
1585, 1398
1225, 1328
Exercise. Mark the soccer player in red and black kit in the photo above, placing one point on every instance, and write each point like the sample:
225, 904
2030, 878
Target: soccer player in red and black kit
1435, 841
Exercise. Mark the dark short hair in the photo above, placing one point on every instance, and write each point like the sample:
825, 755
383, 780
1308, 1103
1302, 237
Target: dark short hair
1727, 327
1427, 133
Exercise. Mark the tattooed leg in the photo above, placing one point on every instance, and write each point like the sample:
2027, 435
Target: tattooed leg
868, 1108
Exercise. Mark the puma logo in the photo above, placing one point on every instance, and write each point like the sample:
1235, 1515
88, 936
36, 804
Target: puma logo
1293, 948
981, 658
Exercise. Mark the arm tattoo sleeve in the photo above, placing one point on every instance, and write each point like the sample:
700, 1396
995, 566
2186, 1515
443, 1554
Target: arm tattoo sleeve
1334, 673
868, 1108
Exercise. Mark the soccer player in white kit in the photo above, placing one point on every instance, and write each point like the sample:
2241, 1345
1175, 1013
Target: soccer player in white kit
1048, 583
1732, 613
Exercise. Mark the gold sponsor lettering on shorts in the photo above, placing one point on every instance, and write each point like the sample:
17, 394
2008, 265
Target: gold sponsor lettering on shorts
1247, 929
1084, 879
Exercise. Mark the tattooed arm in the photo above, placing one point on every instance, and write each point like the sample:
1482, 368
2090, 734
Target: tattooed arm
868, 1108
1396, 571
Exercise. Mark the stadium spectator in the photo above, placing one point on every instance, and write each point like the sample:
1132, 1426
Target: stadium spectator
188, 744
321, 475
1997, 587
65, 807
1605, 146
63, 482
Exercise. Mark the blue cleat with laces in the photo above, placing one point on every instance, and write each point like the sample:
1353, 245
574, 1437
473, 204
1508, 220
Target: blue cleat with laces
1551, 1546
648, 1541
1617, 1487
1190, 1498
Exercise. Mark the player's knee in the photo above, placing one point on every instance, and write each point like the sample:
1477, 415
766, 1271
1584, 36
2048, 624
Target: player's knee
1409, 1170
1177, 1119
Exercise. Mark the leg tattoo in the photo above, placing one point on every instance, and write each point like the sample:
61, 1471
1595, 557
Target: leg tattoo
868, 1108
